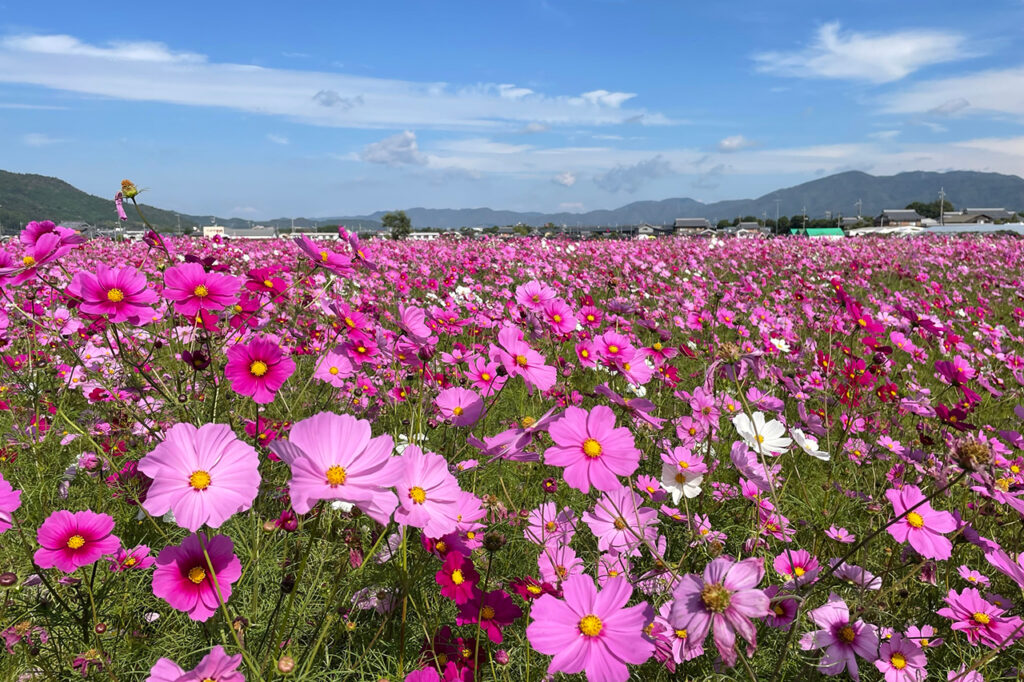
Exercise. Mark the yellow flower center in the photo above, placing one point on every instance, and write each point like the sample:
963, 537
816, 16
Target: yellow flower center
556, 317
847, 634
915, 520
323, 256
457, 411
981, 618
336, 476
591, 625
268, 284
716, 597
115, 295
486, 613
130, 561
521, 360
619, 523
534, 589
333, 370
201, 291
76, 542
199, 480
527, 422
681, 478
258, 368
196, 575
898, 661
28, 261
760, 438
779, 611
418, 494
350, 322
591, 448
457, 577
485, 376
799, 571
681, 634
613, 349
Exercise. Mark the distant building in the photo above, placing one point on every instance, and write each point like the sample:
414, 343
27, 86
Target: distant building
978, 216
258, 232
213, 230
692, 223
422, 236
996, 214
898, 217
848, 222
821, 232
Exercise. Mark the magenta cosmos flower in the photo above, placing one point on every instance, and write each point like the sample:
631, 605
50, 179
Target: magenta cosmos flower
204, 475
592, 450
69, 540
591, 631
258, 369
192, 289
520, 360
922, 527
333, 457
215, 666
428, 494
982, 621
841, 639
495, 609
457, 578
185, 580
901, 660
122, 294
461, 406
725, 596
10, 500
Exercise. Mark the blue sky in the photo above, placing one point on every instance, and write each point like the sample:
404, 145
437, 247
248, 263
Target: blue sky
267, 109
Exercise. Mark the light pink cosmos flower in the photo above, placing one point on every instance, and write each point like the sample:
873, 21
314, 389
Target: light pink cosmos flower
460, 405
10, 500
591, 631
901, 660
70, 540
258, 369
559, 317
842, 640
922, 527
134, 559
333, 457
428, 494
593, 452
215, 666
620, 522
333, 368
183, 577
192, 289
203, 476
982, 622
557, 562
725, 596
412, 320
840, 535
121, 294
519, 359
533, 295
337, 263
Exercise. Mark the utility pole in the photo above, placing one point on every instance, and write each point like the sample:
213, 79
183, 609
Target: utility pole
942, 206
776, 230
860, 205
803, 212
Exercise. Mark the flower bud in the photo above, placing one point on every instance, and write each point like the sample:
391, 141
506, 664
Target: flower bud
285, 665
128, 189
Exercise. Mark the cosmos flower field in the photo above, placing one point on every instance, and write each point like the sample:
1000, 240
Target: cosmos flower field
511, 459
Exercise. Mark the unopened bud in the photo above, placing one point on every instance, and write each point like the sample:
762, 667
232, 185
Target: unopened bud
285, 665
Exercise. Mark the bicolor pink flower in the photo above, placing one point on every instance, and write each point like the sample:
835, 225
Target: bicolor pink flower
10, 500
215, 666
982, 622
901, 660
922, 527
591, 631
333, 457
192, 289
725, 596
493, 611
70, 540
798, 565
204, 475
519, 359
185, 580
122, 294
842, 640
459, 405
593, 452
135, 559
620, 522
258, 369
333, 368
428, 494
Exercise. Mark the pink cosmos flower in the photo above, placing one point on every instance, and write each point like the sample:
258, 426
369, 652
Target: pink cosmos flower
47, 248
982, 622
725, 596
495, 609
840, 535
203, 476
258, 369
620, 523
185, 580
901, 660
533, 295
457, 578
135, 559
559, 317
337, 263
483, 375
333, 457
69, 540
192, 289
520, 360
557, 562
797, 565
460, 405
412, 320
592, 450
842, 640
333, 368
121, 294
546, 524
215, 666
922, 527
10, 500
591, 631
427, 493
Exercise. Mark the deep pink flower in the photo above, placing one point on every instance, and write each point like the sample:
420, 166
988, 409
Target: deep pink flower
460, 405
922, 527
185, 580
798, 565
591, 631
842, 639
457, 578
335, 262
203, 476
215, 666
69, 540
592, 450
10, 500
192, 289
496, 610
725, 596
135, 559
519, 359
258, 369
121, 294
901, 660
559, 317
982, 622
428, 494
412, 320
333, 457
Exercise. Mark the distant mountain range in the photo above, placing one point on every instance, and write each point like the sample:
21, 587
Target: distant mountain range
25, 197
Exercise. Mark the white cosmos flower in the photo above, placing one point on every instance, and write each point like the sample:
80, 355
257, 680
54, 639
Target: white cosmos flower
808, 444
762, 437
679, 483
780, 344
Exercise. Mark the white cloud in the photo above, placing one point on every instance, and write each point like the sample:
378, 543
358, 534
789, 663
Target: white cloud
631, 178
734, 144
872, 57
950, 107
884, 135
566, 179
153, 72
997, 91
397, 150
574, 206
39, 139
277, 139
535, 128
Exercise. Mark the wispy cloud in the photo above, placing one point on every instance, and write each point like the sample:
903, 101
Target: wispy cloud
154, 72
996, 91
566, 179
871, 57
734, 143
397, 150
39, 139
277, 139
631, 178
